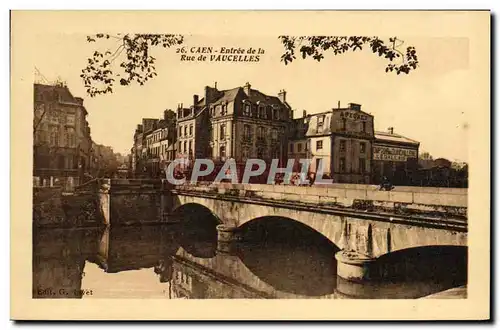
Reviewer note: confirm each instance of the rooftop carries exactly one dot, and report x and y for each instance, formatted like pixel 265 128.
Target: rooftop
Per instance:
pixel 54 92
pixel 393 137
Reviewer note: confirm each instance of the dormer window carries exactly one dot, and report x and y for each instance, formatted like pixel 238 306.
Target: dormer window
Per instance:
pixel 276 114
pixel 262 112
pixel 321 121
pixel 247 109
pixel 223 110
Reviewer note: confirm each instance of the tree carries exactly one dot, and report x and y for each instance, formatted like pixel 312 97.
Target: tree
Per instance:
pixel 317 46
pixel 425 156
pixel 137 65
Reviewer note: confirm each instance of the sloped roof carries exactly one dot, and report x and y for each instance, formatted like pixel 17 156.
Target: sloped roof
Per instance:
pixel 258 96
pixel 229 95
pixel 53 92
pixel 386 136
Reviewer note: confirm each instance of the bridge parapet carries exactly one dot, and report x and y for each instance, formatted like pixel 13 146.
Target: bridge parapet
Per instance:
pixel 442 201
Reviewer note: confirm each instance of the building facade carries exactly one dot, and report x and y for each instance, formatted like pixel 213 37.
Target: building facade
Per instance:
pixel 394 157
pixel 243 123
pixel 238 123
pixel 61 137
pixel 153 147
pixel 339 139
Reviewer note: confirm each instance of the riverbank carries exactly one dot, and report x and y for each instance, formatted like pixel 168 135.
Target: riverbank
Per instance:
pixel 453 293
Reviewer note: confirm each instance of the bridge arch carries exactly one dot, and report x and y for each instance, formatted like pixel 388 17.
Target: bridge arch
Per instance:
pixel 368 234
pixel 282 228
pixel 196 229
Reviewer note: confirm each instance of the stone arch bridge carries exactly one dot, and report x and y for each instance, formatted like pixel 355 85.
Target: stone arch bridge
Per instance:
pixel 363 222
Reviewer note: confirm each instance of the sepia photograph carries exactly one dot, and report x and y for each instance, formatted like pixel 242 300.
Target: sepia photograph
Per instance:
pixel 257 164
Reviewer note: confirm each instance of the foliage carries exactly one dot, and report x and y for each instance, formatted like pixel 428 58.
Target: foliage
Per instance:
pixel 138 65
pixel 425 156
pixel 317 46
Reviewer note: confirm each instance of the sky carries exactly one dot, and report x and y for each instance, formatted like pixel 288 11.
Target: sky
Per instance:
pixel 430 105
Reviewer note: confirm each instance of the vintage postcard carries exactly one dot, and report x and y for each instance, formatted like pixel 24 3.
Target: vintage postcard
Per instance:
pixel 250 165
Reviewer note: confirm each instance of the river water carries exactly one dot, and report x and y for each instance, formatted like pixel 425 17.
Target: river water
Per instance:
pixel 182 261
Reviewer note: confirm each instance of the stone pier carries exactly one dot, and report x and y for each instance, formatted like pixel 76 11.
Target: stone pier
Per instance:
pixel 227 239
pixel 354 266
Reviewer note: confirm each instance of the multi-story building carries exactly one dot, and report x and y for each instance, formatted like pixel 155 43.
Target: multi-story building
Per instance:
pixel 61 137
pixel 104 162
pixel 340 139
pixel 238 123
pixel 243 123
pixel 139 149
pixel 153 147
pixel 394 157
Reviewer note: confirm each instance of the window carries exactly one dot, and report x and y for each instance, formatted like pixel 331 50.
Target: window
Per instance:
pixel 261 132
pixel 362 165
pixel 260 153
pixel 222 151
pixel 276 114
pixel 244 154
pixel 66 137
pixel 54 136
pixel 299 147
pixel 291 147
pixel 180 131
pixel 364 126
pixel 362 147
pixel 342 165
pixel 246 132
pixel 248 109
pixel 344 124
pixel 223 110
pixel 274 134
pixel 222 131
pixel 190 130
pixel 321 121
pixel 185 130
pixel 185 146
pixel 319 145
pixel 190 147
pixel 262 112
pixel 342 145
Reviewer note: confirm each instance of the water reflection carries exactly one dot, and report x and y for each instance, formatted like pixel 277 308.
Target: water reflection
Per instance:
pixel 182 261
pixel 58 261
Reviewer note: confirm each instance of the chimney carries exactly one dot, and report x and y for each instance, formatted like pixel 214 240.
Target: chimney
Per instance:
pixel 215 85
pixel 304 114
pixel 338 105
pixel 390 130
pixel 210 94
pixel 195 99
pixel 282 96
pixel 247 89
pixel 79 100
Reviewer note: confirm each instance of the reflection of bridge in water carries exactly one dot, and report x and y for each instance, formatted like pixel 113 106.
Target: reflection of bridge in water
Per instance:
pixel 370 229
pixel 186 263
